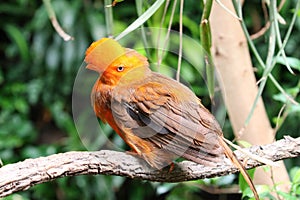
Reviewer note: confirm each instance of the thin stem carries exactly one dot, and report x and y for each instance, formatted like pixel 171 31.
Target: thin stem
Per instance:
pixel 108 17
pixel 278 36
pixel 180 41
pixel 228 10
pixel 205 37
pixel 272 40
pixel 169 27
pixel 139 6
pixel 159 57
pixel 282 114
pixel 55 23
pixel 282 2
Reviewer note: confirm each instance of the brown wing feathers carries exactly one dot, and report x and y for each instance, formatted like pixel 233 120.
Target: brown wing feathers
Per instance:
pixel 172 130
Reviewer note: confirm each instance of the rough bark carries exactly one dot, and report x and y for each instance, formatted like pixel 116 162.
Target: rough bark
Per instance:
pixel 233 62
pixel 23 175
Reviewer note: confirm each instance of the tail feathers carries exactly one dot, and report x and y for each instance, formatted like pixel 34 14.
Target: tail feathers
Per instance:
pixel 229 153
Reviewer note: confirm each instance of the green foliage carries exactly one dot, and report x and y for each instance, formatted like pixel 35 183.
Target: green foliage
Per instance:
pixel 37 73
pixel 244 185
pixel 36 82
pixel 273 193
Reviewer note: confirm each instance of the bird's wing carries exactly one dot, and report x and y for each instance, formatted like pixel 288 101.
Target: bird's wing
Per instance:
pixel 184 128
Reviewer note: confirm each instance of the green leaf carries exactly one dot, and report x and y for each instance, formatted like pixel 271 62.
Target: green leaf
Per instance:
pixel 297 189
pixel 141 20
pixel 17 36
pixel 296 176
pixel 21 105
pixel 294 108
pixel 1 76
pixel 34 89
pixel 263 191
pixel 242 182
pixel 282 98
pixel 293 62
pixel 287 196
pixel 16 197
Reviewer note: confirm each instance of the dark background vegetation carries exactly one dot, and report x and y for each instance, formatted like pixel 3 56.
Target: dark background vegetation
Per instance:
pixel 38 69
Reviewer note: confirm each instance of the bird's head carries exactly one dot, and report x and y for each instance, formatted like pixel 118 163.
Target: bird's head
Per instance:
pixel 112 61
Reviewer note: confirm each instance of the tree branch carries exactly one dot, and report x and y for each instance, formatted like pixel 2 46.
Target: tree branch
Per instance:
pixel 23 175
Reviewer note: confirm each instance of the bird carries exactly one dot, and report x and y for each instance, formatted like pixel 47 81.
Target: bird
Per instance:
pixel 159 118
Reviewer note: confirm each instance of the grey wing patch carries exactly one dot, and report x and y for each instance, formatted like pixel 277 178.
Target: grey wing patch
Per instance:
pixel 147 126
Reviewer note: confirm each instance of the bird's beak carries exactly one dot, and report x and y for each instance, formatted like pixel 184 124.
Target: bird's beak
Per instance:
pixel 95 68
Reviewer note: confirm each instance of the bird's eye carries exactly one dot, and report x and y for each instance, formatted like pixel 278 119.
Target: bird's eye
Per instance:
pixel 120 68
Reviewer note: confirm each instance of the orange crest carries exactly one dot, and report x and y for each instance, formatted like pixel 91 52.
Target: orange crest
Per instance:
pixel 102 53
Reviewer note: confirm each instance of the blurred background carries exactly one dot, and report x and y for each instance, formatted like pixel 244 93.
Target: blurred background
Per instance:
pixel 37 74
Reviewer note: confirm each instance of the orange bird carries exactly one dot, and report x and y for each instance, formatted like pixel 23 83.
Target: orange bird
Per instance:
pixel 158 117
